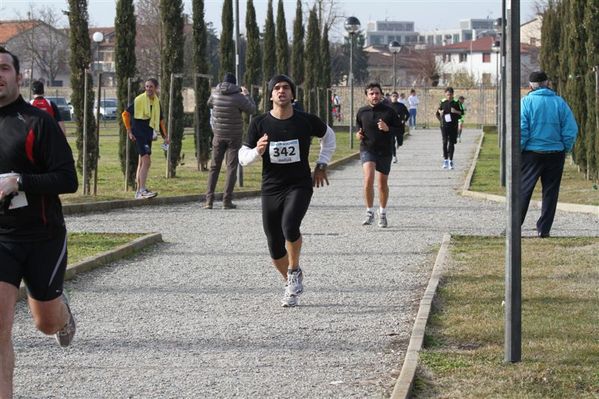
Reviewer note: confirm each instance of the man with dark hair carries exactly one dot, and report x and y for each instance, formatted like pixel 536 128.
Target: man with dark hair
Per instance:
pixel 378 126
pixel 36 165
pixel 404 115
pixel 548 130
pixel 449 114
pixel 281 138
pixel 42 103
pixel 147 118
pixel 227 101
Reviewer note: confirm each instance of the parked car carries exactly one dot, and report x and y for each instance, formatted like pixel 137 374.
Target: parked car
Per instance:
pixel 63 106
pixel 107 108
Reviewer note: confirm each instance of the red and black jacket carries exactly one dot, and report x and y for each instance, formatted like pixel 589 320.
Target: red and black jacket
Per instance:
pixel 32 144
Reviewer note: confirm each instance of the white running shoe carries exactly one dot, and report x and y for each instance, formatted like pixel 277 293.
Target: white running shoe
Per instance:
pixel 383 220
pixel 289 300
pixel 446 164
pixel 65 335
pixel 369 218
pixel 394 159
pixel 451 165
pixel 295 281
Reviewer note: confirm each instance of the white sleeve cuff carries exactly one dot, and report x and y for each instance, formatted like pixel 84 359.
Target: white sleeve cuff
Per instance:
pixel 327 146
pixel 248 155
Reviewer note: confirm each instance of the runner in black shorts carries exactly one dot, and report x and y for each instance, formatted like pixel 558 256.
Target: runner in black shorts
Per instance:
pixel 36 165
pixel 378 126
pixel 281 138
pixel 449 114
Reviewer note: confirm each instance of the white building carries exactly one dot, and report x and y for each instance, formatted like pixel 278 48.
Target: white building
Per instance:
pixel 384 32
pixel 469 29
pixel 480 61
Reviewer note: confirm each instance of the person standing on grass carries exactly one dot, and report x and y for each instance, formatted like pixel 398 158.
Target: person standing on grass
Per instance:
pixel 227 101
pixel 39 101
pixel 147 118
pixel 36 165
pixel 449 114
pixel 378 126
pixel 281 139
pixel 547 132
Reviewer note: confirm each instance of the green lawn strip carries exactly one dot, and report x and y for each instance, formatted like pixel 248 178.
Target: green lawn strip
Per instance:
pixel 189 180
pixel 574 189
pixel 463 352
pixel 84 245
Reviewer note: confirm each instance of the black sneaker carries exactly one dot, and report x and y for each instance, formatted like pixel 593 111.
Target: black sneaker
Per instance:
pixel 229 205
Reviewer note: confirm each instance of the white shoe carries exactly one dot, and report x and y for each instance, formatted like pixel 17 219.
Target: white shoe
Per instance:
pixel 289 300
pixel 295 281
pixel 446 164
pixel 451 166
pixel 369 218
pixel 394 159
pixel 383 220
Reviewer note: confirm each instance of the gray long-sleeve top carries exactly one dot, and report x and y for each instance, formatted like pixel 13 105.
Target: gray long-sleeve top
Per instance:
pixel 227 103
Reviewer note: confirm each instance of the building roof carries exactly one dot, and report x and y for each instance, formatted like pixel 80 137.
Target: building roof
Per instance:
pixel 10 29
pixel 482 45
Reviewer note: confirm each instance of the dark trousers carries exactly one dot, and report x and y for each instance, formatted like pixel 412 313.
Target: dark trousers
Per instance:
pixel 221 148
pixel 549 168
pixel 449 132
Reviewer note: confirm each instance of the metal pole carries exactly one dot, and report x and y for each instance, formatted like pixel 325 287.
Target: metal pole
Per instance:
pixel 394 72
pixel 171 94
pixel 239 80
pixel 503 94
pixel 85 177
pixel 351 92
pixel 127 138
pixel 513 294
pixel 98 133
pixel 196 121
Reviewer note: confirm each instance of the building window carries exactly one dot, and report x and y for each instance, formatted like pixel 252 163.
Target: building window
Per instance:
pixel 463 57
pixel 486 57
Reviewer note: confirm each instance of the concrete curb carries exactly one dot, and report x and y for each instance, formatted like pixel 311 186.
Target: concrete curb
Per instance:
pixel 103 206
pixel 93 262
pixel 562 206
pixel 404 383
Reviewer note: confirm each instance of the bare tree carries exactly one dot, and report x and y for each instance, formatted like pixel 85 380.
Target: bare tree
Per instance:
pixel 149 38
pixel 42 46
pixel 425 62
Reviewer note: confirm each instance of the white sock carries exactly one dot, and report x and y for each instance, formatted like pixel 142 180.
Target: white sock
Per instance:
pixel 371 210
pixel 382 210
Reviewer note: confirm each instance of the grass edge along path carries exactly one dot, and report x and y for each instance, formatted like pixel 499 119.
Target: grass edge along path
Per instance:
pixel 463 351
pixel 88 251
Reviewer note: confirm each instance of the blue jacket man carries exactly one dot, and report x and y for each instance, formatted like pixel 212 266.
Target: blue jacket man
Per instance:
pixel 548 132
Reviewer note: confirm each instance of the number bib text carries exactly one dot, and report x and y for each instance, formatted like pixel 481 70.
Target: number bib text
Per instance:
pixel 282 152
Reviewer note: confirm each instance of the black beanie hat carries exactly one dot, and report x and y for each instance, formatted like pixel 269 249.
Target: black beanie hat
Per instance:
pixel 281 78
pixel 230 78
pixel 538 77
pixel 37 87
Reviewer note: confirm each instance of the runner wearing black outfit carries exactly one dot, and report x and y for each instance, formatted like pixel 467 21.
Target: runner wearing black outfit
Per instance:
pixel 37 165
pixel 449 114
pixel 378 126
pixel 404 115
pixel 281 138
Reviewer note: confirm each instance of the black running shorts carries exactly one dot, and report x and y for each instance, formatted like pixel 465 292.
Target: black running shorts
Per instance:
pixel 40 264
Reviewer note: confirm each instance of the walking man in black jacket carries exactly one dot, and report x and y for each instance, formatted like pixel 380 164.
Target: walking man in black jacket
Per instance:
pixel 36 165
pixel 227 101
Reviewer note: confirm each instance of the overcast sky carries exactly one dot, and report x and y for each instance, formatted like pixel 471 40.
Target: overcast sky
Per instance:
pixel 427 14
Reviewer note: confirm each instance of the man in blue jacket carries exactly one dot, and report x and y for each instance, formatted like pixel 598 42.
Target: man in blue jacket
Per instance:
pixel 548 132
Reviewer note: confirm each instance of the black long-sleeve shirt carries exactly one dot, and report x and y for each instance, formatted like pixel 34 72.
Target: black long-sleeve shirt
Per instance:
pixel 32 144
pixel 375 140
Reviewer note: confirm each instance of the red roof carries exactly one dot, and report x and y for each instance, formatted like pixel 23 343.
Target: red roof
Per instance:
pixel 10 29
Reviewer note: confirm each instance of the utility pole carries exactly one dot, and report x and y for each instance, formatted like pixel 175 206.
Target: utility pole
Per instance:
pixel 513 275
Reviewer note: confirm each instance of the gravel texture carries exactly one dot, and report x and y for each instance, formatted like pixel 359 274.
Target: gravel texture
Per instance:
pixel 199 316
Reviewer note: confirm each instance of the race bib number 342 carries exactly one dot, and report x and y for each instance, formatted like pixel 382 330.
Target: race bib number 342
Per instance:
pixel 282 152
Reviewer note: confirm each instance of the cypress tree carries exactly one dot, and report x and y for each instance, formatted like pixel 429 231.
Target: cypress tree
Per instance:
pixel 227 45
pixel 577 69
pixel 269 60
pixel 282 41
pixel 171 12
pixel 124 49
pixel 252 62
pixel 79 62
pixel 297 49
pixel 325 75
pixel 202 85
pixel 550 33
pixel 312 66
pixel 591 26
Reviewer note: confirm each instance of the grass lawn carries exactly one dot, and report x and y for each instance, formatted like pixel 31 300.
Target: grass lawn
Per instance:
pixel 574 188
pixel 188 181
pixel 463 353
pixel 83 245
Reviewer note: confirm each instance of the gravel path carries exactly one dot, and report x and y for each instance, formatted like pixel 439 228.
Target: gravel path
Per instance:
pixel 200 317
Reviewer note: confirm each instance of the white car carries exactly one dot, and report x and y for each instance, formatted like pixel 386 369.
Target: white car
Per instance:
pixel 107 108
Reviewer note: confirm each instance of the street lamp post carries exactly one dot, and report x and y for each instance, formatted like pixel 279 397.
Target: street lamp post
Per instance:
pixel 394 48
pixel 352 26
pixel 98 37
